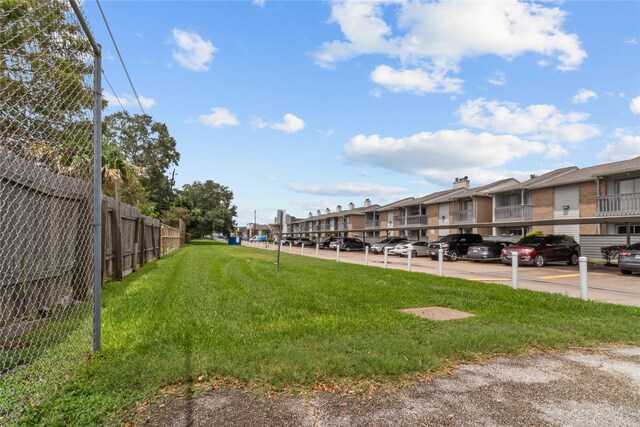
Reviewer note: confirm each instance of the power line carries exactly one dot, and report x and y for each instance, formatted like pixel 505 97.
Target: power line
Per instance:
pixel 120 56
pixel 113 91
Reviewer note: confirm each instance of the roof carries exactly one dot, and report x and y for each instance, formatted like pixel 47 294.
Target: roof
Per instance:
pixel 344 212
pixel 536 180
pixel 396 204
pixel 592 172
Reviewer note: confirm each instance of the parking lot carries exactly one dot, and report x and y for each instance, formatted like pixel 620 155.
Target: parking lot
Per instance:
pixel 605 284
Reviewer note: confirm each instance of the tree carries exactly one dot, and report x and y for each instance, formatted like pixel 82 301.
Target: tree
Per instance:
pixel 148 145
pixel 211 207
pixel 45 85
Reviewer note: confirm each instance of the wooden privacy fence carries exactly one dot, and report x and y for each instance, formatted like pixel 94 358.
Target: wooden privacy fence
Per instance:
pixel 130 239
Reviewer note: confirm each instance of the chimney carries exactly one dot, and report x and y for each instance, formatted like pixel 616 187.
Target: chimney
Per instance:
pixel 318 212
pixel 351 206
pixel 310 214
pixel 327 211
pixel 367 203
pixel 533 175
pixel 338 208
pixel 461 182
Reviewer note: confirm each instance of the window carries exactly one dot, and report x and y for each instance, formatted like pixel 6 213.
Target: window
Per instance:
pixel 513 200
pixel 633 229
pixel 514 231
pixel 467 205
pixel 628 186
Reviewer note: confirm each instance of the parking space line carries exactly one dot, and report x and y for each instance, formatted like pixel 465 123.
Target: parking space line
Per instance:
pixel 561 276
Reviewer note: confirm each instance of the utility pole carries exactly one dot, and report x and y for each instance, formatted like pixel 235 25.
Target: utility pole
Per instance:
pixel 255 224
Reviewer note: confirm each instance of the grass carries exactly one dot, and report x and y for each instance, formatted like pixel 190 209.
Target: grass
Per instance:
pixel 222 312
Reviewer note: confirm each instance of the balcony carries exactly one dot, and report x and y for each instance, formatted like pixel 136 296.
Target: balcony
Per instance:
pixel 372 223
pixel 513 213
pixel 618 205
pixel 462 217
pixel 399 221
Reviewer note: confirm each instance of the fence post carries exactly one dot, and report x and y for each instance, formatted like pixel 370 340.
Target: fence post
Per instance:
pixel 290 247
pixel 409 256
pixel 366 256
pixel 440 261
pixel 386 256
pixel 514 270
pixel 118 259
pixel 338 253
pixel 584 285
pixel 302 249
pixel 317 249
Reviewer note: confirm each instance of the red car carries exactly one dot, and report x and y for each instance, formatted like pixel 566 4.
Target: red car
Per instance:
pixel 539 250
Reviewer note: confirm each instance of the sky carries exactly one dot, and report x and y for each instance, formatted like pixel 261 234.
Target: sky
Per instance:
pixel 305 105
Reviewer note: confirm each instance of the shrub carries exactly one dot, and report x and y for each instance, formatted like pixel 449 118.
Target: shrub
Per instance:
pixel 534 233
pixel 609 253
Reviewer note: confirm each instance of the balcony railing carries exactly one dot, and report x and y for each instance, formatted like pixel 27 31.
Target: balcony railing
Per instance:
pixel 372 223
pixel 462 217
pixel 513 213
pixel 399 221
pixel 618 204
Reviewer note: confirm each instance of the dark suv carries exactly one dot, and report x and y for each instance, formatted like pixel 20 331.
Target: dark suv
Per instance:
pixel 539 250
pixel 454 245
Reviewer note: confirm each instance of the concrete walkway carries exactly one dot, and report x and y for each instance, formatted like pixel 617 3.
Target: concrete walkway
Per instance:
pixel 577 388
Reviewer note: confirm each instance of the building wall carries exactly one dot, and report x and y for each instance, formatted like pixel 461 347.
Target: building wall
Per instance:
pixel 356 222
pixel 542 207
pixel 432 219
pixel 588 206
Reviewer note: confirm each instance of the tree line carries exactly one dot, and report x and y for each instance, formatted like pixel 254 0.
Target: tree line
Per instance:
pixel 139 159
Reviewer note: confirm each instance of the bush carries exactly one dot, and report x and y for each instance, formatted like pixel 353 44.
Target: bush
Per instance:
pixel 534 233
pixel 609 253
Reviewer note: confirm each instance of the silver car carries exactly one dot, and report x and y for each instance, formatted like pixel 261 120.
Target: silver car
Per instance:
pixel 629 259
pixel 391 242
pixel 417 249
pixel 397 249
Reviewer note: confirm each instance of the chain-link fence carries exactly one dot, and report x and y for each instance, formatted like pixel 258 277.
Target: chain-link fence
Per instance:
pixel 46 198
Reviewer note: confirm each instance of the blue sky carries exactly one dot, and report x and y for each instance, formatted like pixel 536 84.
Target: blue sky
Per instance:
pixel 306 105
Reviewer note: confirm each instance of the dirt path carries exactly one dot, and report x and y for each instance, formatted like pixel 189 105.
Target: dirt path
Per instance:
pixel 577 388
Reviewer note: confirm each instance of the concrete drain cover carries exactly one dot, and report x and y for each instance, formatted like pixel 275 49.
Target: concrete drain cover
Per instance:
pixel 438 313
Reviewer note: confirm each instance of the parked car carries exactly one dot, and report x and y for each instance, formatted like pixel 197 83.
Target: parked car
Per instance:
pixel 417 249
pixel 304 241
pixel 397 249
pixel 288 240
pixel 629 259
pixel 325 244
pixel 487 251
pixel 349 244
pixel 258 239
pixel 390 242
pixel 539 250
pixel 454 245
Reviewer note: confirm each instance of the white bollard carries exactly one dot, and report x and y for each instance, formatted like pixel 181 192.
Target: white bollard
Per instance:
pixel 302 250
pixel 290 247
pixel 514 270
pixel 366 255
pixel 584 285
pixel 386 256
pixel 338 253
pixel 409 256
pixel 317 249
pixel 440 261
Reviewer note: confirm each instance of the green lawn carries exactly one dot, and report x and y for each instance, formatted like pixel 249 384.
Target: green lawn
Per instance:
pixel 223 312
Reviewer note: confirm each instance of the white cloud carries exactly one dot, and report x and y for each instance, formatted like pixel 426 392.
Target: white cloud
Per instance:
pixel 219 117
pixel 428 153
pixel 538 121
pixel 259 3
pixel 583 96
pixel 128 100
pixel 193 52
pixel 434 37
pixel 348 189
pixel 632 40
pixel 498 78
pixel 635 105
pixel 290 124
pixel 312 205
pixel 418 81
pixel 626 147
